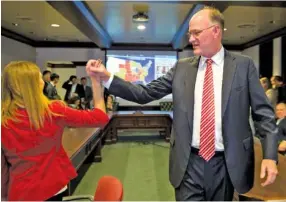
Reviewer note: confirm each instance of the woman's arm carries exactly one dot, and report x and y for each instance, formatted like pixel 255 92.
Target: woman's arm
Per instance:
pixel 86 118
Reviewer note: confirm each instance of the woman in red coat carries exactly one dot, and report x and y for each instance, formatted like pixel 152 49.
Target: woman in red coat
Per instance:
pixel 35 165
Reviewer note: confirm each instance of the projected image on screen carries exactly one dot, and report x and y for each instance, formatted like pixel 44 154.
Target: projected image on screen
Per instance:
pixel 140 67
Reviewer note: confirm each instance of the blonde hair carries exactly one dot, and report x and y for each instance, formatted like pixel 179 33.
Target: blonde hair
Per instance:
pixel 266 81
pixel 21 89
pixel 215 16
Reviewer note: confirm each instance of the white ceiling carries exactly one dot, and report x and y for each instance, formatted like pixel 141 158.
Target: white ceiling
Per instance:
pixel 260 17
pixel 35 19
pixel 116 18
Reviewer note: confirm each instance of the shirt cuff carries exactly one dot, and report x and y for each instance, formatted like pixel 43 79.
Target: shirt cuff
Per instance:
pixel 107 84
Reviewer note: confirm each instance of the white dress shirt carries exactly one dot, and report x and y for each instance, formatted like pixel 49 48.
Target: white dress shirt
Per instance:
pixel 73 88
pixel 278 121
pixel 217 67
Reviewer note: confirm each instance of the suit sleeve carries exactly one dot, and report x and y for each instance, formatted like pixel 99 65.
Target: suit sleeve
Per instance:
pixel 143 94
pixel 89 94
pixel 263 115
pixel 66 85
pixel 50 92
pixel 283 131
pixel 81 118
pixel 4 177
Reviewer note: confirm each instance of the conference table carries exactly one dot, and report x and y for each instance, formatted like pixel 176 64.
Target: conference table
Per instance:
pixel 85 144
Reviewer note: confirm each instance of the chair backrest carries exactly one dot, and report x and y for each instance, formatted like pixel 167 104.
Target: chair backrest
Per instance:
pixel 109 188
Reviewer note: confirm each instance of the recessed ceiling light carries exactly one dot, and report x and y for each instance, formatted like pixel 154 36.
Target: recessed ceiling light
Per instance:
pixel 141 27
pixel 224 29
pixel 15 24
pixel 55 25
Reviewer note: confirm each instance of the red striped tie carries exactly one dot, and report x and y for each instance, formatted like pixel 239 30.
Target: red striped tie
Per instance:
pixel 207 133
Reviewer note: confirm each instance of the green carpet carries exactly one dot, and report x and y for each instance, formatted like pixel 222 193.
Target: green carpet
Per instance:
pixel 142 168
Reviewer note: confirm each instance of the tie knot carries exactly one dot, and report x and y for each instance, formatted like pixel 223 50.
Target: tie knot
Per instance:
pixel 209 61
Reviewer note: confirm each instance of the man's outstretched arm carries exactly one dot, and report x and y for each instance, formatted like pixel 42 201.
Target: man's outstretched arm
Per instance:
pixel 136 92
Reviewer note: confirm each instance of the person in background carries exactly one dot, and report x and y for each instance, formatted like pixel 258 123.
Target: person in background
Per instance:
pixel 212 146
pixel 35 166
pixel 280 86
pixel 73 89
pixel 271 93
pixel 281 122
pixel 87 92
pixel 51 90
pixel 47 79
pixel 109 103
pixel 75 103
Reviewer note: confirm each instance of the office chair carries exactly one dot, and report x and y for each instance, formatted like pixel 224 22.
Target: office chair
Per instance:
pixel 109 188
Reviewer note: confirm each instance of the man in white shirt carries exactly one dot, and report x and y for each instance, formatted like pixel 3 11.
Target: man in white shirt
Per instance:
pixel 73 89
pixel 211 151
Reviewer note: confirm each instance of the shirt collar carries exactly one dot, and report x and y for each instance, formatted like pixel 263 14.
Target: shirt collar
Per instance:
pixel 217 58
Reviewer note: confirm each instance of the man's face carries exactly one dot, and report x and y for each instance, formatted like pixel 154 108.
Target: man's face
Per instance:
pixel 281 111
pixel 56 80
pixel 201 33
pixel 83 82
pixel 273 81
pixel 47 77
pixel 74 80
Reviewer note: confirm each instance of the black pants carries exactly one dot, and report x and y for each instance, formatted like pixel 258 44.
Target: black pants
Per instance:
pixel 205 181
pixel 58 197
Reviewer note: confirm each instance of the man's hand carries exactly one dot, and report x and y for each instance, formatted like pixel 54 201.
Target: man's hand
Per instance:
pixel 269 168
pixel 282 146
pixel 96 68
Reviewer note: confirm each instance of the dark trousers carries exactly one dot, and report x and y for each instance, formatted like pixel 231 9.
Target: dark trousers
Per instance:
pixel 58 197
pixel 205 181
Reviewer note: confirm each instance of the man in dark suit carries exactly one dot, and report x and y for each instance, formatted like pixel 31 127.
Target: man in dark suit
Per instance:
pixel 73 88
pixel 47 79
pixel 281 122
pixel 51 91
pixel 87 92
pixel 211 149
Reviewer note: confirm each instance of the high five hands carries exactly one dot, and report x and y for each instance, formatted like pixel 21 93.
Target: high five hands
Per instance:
pixel 95 68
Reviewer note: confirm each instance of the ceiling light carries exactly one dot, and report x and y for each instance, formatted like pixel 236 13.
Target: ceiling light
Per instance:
pixel 141 27
pixel 55 25
pixel 15 24
pixel 140 17
pixel 224 29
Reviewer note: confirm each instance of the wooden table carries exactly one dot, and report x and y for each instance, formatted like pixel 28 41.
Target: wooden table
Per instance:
pixel 160 120
pixel 275 191
pixel 79 143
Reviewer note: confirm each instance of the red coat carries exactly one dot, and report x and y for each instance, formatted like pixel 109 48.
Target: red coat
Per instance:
pixel 35 165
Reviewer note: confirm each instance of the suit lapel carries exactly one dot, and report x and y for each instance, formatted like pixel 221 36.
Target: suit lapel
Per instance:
pixel 229 69
pixel 190 81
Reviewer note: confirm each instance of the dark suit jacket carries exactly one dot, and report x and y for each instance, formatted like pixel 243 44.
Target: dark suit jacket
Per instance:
pixel 281 94
pixel 241 90
pixel 88 95
pixel 51 92
pixel 79 90
pixel 282 130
